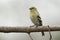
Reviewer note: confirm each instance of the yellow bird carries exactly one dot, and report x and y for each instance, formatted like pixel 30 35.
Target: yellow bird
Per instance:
pixel 35 18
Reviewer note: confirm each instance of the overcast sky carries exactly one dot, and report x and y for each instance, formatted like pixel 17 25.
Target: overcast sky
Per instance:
pixel 16 13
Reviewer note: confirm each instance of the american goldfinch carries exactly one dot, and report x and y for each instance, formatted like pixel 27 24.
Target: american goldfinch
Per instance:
pixel 35 18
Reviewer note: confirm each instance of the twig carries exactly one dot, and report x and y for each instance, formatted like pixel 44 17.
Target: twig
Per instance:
pixel 22 29
pixel 50 33
pixel 30 36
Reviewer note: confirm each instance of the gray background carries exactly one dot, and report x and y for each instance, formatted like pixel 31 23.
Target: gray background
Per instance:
pixel 16 13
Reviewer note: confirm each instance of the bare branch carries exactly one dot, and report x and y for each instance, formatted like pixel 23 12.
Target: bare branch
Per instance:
pixel 28 29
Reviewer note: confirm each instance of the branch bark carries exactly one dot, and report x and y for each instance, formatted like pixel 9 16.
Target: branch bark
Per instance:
pixel 28 29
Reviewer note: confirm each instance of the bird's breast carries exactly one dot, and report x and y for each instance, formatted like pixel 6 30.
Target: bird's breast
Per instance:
pixel 34 19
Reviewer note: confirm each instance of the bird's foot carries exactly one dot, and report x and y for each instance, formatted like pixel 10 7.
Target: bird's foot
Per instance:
pixel 32 26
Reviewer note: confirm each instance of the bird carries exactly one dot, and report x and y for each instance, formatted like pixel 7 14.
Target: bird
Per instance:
pixel 35 18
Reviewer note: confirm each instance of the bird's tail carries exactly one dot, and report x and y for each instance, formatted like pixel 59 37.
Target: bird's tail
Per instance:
pixel 42 33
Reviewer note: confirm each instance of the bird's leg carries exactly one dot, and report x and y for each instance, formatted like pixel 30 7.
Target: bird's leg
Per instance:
pixel 32 26
pixel 50 33
pixel 30 36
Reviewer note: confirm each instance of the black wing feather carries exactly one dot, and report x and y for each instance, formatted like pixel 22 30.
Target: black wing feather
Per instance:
pixel 40 21
pixel 40 24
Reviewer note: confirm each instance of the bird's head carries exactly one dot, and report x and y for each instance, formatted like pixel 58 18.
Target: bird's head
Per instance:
pixel 32 8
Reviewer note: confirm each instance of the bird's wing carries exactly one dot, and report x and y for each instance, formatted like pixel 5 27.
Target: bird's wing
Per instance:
pixel 40 21
pixel 38 17
pixel 40 24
